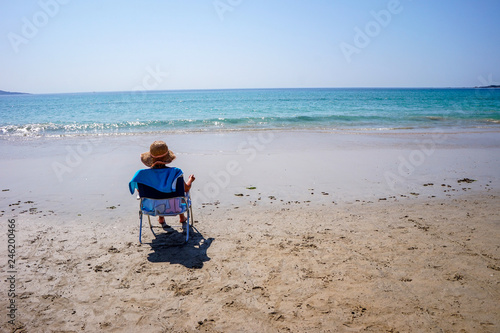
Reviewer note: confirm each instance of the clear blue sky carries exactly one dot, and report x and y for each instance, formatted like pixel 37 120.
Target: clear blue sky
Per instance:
pixel 115 45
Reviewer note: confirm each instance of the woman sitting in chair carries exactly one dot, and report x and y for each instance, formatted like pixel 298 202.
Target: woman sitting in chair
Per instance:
pixel 158 157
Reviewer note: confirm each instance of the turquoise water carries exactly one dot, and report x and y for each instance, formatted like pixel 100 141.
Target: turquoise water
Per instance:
pixel 219 110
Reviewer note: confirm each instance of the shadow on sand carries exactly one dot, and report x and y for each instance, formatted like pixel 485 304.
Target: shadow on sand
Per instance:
pixel 170 247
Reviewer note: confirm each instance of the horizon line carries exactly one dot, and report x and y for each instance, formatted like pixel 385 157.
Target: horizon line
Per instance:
pixel 220 89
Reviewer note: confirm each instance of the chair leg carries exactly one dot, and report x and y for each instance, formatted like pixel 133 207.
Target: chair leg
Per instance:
pixel 150 226
pixel 140 227
pixel 190 208
pixel 191 214
pixel 188 222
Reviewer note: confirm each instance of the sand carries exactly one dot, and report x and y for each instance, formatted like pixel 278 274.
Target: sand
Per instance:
pixel 343 232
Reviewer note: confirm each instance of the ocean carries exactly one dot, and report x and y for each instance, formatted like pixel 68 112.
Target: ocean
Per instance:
pixel 329 109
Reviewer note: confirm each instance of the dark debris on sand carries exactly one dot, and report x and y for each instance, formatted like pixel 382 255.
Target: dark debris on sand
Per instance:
pixel 466 180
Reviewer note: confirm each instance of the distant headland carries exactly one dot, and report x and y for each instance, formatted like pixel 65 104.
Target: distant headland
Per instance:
pixel 493 86
pixel 11 93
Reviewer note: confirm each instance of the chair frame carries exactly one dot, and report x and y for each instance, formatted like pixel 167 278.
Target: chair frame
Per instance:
pixel 146 192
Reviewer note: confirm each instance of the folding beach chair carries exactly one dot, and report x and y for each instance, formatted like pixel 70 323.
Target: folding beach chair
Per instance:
pixel 161 193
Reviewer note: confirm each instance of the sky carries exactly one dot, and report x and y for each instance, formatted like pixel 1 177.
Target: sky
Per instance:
pixel 63 46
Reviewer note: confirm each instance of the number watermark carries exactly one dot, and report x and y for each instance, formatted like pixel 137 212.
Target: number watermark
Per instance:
pixel 11 271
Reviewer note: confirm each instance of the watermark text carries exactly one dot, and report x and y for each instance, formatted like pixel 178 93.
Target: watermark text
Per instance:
pixel 30 27
pixel 11 271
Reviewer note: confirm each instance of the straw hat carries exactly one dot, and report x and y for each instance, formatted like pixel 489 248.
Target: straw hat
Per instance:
pixel 158 154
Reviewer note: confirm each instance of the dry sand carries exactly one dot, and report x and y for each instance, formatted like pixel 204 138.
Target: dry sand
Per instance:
pixel 296 257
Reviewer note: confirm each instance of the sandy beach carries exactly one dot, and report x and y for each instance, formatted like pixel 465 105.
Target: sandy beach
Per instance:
pixel 295 232
pixel 346 157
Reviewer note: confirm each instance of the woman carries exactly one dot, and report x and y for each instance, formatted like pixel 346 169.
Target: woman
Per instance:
pixel 158 157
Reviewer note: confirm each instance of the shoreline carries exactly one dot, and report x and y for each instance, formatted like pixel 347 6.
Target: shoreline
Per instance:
pixel 452 130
